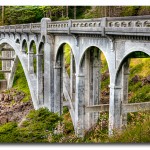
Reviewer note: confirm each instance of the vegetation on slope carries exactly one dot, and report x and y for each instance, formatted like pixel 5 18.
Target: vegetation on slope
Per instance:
pixel 20 82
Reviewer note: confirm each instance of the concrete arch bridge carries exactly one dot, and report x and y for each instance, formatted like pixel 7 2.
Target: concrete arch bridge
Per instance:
pixel 117 38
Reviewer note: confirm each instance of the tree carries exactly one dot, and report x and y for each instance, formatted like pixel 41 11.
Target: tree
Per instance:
pixel 75 12
pixel 3 15
pixel 67 11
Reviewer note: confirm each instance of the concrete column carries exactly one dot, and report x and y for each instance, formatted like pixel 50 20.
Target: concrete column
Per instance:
pixel 115 119
pixel 125 76
pixel 58 84
pixel 92 83
pixel 39 80
pixel 48 65
pixel 3 62
pixel 30 62
pixel 87 88
pixel 96 82
pixel 8 62
pixel 118 96
pixel 79 105
pixel 57 89
pixel 72 77
pixel 12 74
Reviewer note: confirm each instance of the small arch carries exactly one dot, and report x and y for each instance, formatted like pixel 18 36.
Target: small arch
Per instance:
pixel 18 41
pixel 94 24
pixel 24 46
pixel 33 51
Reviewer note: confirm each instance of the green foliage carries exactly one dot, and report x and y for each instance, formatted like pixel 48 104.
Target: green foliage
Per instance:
pixel 38 125
pixel 22 14
pixel 130 11
pixel 36 128
pixel 9 133
pixel 135 133
pixel 142 94
pixel 67 52
pixel 139 92
pixel 20 82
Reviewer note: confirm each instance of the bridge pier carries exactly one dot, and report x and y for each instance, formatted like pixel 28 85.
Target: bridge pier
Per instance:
pixel 58 84
pixel 80 105
pixel 72 77
pixel 118 97
pixel 40 80
pixel 30 62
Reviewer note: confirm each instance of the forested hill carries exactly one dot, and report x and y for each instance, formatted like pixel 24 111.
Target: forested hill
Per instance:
pixel 28 14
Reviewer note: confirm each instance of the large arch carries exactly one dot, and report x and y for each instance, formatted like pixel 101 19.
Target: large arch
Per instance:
pixel 130 51
pixel 121 84
pixel 90 75
pixel 64 84
pixel 31 80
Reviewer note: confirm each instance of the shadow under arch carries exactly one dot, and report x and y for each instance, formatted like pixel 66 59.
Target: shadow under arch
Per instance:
pixel 30 78
pixel 94 67
pixel 87 48
pixel 24 46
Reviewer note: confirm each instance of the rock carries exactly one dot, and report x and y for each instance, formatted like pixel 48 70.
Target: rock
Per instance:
pixel 135 79
pixel 1 97
pixel 148 78
pixel 6 98
pixel 3 119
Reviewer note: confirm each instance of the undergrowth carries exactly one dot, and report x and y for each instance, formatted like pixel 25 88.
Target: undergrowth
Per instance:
pixel 20 82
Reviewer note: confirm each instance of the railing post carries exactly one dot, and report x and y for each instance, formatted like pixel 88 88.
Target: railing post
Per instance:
pixel 103 25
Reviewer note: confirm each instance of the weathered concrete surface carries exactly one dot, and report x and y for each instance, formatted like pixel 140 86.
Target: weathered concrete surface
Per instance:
pixel 116 38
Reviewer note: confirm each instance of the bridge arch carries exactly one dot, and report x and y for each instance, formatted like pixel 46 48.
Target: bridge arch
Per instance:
pixel 122 82
pixel 93 66
pixel 24 46
pixel 64 78
pixel 130 51
pixel 30 79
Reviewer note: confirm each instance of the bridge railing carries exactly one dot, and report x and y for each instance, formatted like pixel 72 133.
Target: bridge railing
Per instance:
pixel 132 21
pixel 20 28
pixel 89 25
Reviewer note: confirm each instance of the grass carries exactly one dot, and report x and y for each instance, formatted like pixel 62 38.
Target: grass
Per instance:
pixel 67 54
pixel 138 91
pixel 39 124
pixel 20 82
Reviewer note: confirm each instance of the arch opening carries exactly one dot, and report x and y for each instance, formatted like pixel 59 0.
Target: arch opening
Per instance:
pixel 95 70
pixel 64 79
pixel 16 78
pixel 24 47
pixel 33 59
pixel 133 78
pixel 40 72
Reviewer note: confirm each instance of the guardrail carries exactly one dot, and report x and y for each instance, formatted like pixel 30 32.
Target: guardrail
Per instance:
pixel 88 25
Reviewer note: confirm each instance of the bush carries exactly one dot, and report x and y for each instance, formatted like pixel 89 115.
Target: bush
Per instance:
pixel 9 133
